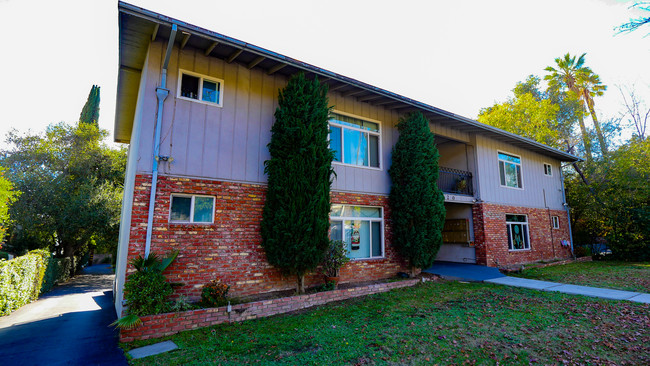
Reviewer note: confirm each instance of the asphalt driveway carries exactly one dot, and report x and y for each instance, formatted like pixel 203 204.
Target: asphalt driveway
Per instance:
pixel 66 326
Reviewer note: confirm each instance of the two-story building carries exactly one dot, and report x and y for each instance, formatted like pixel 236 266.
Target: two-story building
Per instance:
pixel 196 108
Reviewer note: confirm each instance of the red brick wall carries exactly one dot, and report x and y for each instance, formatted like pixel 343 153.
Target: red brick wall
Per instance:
pixel 161 325
pixel 230 249
pixel 491 239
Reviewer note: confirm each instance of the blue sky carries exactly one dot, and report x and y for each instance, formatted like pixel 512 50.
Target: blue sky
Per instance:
pixel 460 56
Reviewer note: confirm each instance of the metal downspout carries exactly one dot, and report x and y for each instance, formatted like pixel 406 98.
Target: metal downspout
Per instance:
pixel 568 213
pixel 161 94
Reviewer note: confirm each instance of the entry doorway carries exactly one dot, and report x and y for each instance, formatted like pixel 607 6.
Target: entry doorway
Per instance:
pixel 458 235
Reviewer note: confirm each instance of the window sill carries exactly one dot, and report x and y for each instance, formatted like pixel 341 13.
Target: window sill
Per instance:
pixel 356 166
pixel 367 259
pixel 519 250
pixel 220 105
pixel 517 188
pixel 190 223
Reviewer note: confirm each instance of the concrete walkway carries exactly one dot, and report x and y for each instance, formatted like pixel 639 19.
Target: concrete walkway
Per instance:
pixel 477 273
pixel 66 326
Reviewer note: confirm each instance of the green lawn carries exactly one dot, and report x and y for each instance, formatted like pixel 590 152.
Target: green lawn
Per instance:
pixel 617 275
pixel 442 322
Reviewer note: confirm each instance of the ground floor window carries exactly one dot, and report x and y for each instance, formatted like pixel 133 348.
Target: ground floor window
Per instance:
pixel 556 222
pixel 191 208
pixel 360 228
pixel 517 226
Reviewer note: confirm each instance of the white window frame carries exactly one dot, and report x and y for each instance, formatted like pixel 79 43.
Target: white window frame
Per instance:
pixel 555 220
pixel 378 134
pixel 550 169
pixel 192 196
pixel 509 228
pixel 521 168
pixel 371 219
pixel 200 97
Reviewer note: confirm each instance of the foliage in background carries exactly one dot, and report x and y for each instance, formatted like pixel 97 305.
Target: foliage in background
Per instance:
pixel 417 204
pixel 295 220
pixel 71 184
pixel 8 195
pixel 21 279
pixel 90 111
pixel 547 116
pixel 615 208
pixel 213 294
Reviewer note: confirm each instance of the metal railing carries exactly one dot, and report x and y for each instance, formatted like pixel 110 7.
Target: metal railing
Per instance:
pixel 455 181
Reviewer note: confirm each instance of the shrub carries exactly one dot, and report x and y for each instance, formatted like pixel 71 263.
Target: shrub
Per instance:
pixel 4 255
pixel 417 204
pixel 582 251
pixel 146 293
pixel 335 258
pixel 296 212
pixel 214 294
pixel 21 279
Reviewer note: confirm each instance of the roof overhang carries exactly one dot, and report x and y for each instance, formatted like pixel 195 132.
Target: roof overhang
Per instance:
pixel 138 27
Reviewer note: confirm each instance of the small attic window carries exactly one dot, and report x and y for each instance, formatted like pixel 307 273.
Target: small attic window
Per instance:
pixel 200 88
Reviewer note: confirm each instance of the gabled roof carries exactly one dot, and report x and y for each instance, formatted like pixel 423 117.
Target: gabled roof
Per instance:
pixel 138 27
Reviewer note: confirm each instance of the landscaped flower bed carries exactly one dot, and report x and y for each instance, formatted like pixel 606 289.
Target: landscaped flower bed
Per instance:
pixel 160 325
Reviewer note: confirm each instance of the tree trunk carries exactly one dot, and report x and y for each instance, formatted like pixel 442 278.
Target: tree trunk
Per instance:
pixel 301 283
pixel 585 138
pixel 599 132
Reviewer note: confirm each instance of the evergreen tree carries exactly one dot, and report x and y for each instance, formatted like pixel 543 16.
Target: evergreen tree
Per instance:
pixel 417 204
pixel 295 220
pixel 90 111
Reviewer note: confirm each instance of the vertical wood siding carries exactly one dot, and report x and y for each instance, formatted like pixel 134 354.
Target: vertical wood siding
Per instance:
pixel 535 183
pixel 230 142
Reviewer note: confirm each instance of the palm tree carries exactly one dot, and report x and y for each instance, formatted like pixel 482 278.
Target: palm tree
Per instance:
pixel 572 75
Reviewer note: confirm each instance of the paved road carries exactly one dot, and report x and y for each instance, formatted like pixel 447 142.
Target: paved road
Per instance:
pixel 66 326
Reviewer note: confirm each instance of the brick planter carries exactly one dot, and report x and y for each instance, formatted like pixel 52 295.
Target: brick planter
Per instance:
pixel 156 326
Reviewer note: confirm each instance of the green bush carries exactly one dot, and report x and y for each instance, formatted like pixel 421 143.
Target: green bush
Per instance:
pixel 4 255
pixel 58 270
pixel 146 293
pixel 21 279
pixel 214 294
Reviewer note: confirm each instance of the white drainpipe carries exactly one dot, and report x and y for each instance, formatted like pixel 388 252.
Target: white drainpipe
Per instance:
pixel 161 94
pixel 568 213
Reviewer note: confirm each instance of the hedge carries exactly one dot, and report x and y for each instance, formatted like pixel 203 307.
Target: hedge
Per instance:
pixel 24 278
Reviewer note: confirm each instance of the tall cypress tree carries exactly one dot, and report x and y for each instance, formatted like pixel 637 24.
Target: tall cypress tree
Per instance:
pixel 417 204
pixel 295 220
pixel 90 111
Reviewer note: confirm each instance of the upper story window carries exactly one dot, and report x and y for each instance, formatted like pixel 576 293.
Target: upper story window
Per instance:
pixel 510 170
pixel 548 170
pixel 191 209
pixel 355 141
pixel 360 228
pixel 200 88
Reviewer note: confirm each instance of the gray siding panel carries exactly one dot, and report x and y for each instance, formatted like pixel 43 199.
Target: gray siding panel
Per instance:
pixel 538 190
pixel 230 142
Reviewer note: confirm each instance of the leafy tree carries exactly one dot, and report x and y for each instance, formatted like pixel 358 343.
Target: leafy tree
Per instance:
pixel 417 204
pixel 90 111
pixel 7 196
pixel 295 220
pixel 547 117
pixel 71 185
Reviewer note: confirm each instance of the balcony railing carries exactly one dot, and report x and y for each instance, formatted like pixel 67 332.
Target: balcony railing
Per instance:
pixel 455 181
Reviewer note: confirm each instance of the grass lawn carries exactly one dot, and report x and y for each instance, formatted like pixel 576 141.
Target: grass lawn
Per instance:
pixel 617 275
pixel 432 323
